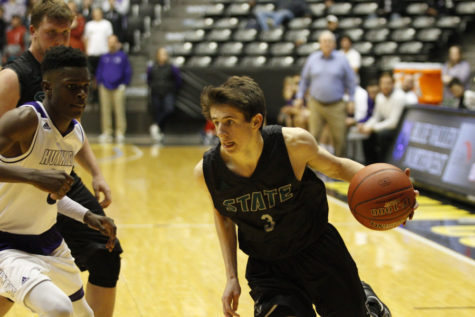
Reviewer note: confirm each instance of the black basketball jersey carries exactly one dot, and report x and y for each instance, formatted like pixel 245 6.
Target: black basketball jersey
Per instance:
pixel 276 214
pixel 28 70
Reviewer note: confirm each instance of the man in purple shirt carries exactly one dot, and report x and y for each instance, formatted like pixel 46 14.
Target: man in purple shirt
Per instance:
pixel 327 76
pixel 112 75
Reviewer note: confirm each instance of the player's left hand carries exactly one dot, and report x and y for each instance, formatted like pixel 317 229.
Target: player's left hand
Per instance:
pixel 103 224
pixel 407 171
pixel 99 186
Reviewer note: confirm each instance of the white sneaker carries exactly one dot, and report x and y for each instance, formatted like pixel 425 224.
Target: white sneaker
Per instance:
pixel 155 133
pixel 105 138
pixel 119 138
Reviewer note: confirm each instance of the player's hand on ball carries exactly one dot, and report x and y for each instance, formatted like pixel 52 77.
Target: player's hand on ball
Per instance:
pixel 103 224
pixel 407 171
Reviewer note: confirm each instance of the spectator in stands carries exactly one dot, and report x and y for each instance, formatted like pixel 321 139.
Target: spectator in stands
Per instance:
pixel 285 10
pixel 391 9
pixel 440 7
pixel 380 128
pixel 77 28
pixel 116 19
pixel 113 75
pixel 353 56
pixel 3 34
pixel 96 34
pixel 333 26
pixel 164 81
pixel 408 87
pixel 121 6
pixel 461 98
pixel 16 42
pixel 86 9
pixel 14 7
pixel 328 76
pixel 290 115
pixel 455 67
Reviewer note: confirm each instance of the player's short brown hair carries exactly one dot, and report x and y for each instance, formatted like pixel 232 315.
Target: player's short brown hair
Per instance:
pixel 240 92
pixel 56 10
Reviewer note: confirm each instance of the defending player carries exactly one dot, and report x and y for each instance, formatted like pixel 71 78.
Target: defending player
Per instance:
pixel 260 181
pixel 36 266
pixel 20 82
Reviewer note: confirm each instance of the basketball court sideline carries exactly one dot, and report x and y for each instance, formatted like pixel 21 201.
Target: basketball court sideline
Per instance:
pixel 172 263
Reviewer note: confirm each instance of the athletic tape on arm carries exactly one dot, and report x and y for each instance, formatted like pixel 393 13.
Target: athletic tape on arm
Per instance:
pixel 71 209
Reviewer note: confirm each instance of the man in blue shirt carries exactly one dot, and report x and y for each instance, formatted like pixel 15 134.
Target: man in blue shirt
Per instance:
pixel 327 76
pixel 113 74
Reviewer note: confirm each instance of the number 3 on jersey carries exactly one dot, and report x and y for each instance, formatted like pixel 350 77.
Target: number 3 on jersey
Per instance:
pixel 270 223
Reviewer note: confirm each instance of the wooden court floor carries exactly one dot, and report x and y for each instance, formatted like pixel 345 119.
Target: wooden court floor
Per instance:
pixel 172 263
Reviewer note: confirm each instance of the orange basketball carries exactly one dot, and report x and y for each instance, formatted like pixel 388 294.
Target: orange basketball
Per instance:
pixel 381 196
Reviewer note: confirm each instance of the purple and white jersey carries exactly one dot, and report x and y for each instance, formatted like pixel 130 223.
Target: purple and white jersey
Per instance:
pixel 23 207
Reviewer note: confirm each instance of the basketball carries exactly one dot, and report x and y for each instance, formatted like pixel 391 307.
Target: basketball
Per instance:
pixel 381 196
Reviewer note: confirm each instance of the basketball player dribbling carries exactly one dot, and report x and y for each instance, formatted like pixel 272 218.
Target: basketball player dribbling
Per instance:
pixel 20 82
pixel 37 269
pixel 260 180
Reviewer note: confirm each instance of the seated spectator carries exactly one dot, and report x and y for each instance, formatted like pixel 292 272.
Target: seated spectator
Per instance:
pixel 14 7
pixel 408 87
pixel 455 67
pixel 16 33
pixel 164 80
pixel 461 98
pixel 440 7
pixel 380 128
pixel 333 26
pixel 353 56
pixel 77 27
pixel 290 115
pixel 284 11
pixel 391 9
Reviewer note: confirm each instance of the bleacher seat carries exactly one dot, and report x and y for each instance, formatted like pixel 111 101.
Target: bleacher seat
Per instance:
pixel 238 9
pixel 253 61
pixel 198 23
pixel 400 22
pixel 350 23
pixel 283 48
pixel 183 49
pixel 419 8
pixel 368 61
pixel 429 35
pixel 364 48
pixel 413 47
pixel 299 23
pixel 199 61
pixel 281 61
pixel 206 48
pixel 365 8
pixel 263 7
pixel 385 48
pixel 318 9
pixel 231 48
pixel 319 24
pixel 449 22
pixel 226 23
pixel 307 49
pixel 388 62
pixel 465 8
pixel 226 61
pixel 178 61
pixel 195 36
pixel 273 35
pixel 374 23
pixel 300 62
pixel 245 35
pixel 422 22
pixel 403 35
pixel 340 8
pixel 377 35
pixel 297 35
pixel 355 34
pixel 216 9
pixel 219 35
pixel 256 48
pixel 315 35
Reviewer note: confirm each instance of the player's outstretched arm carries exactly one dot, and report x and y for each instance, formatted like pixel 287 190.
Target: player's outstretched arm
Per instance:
pixel 226 230
pixel 9 90
pixel 88 161
pixel 303 150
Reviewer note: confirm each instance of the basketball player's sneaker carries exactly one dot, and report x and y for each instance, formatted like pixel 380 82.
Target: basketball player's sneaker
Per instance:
pixel 376 307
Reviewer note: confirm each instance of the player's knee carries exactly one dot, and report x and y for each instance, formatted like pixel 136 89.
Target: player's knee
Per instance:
pixel 104 268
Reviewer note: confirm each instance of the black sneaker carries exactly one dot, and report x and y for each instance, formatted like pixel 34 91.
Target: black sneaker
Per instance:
pixel 376 307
